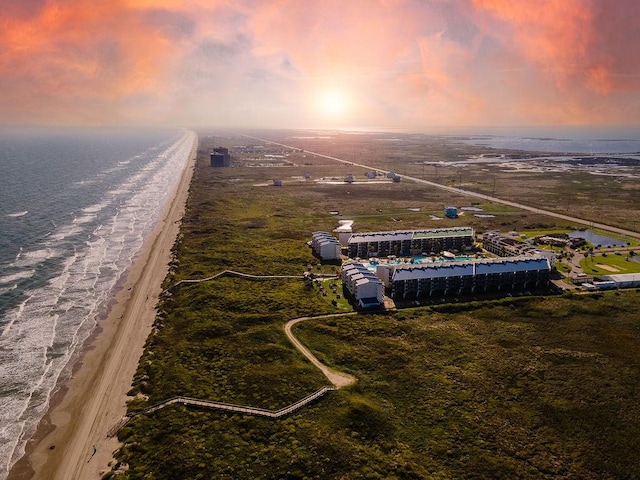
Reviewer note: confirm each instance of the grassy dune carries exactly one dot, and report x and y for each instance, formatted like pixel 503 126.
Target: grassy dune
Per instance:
pixel 517 388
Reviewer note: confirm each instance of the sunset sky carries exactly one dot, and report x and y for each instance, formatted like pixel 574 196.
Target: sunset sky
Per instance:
pixel 406 64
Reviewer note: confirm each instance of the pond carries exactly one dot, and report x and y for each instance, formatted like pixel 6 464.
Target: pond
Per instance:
pixel 597 239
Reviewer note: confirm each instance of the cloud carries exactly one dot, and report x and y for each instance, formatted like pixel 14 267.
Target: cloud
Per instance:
pixel 403 63
pixel 580 43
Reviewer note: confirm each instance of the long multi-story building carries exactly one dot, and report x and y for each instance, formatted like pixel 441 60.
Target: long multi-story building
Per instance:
pixel 409 243
pixel 457 278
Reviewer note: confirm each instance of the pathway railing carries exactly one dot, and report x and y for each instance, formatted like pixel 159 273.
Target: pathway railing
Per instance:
pixel 260 412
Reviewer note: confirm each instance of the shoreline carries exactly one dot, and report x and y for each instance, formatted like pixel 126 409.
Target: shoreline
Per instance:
pixel 87 405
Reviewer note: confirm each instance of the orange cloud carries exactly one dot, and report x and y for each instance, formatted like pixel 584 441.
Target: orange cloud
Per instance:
pixel 71 53
pixel 579 43
pixel 400 62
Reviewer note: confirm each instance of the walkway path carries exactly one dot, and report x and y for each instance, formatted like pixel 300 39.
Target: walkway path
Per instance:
pixel 260 412
pixel 338 379
pixel 232 273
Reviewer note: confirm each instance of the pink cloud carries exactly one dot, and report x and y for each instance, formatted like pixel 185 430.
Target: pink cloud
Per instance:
pixel 580 43
pixel 402 62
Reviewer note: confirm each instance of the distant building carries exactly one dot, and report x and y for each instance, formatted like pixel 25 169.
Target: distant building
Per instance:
pixel 409 243
pixel 220 157
pixel 505 246
pixel 451 212
pixel 623 280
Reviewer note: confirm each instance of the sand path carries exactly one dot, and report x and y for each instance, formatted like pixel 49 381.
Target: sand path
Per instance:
pixel 338 379
pixel 93 401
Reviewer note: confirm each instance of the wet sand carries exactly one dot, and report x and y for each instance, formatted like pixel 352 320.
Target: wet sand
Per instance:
pixel 89 406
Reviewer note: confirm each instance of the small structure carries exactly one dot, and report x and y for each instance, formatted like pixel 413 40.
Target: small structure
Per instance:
pixel 451 212
pixel 344 231
pixel 580 278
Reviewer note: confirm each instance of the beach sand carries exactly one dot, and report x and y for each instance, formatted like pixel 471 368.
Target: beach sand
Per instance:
pixel 93 401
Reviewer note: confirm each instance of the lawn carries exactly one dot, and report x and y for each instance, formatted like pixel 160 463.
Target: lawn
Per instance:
pixel 609 265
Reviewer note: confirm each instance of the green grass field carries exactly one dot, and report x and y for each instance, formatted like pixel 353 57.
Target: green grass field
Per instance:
pixel 516 388
pixel 609 265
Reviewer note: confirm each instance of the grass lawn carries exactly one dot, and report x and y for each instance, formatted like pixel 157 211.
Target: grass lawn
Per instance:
pixel 537 233
pixel 617 264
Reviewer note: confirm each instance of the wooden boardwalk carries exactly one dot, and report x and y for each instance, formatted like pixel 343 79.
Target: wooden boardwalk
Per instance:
pixel 344 379
pixel 260 412
pixel 248 276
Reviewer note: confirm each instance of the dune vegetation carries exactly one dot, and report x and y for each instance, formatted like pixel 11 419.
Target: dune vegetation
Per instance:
pixel 531 387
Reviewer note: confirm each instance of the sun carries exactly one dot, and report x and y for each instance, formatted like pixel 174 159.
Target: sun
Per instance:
pixel 333 104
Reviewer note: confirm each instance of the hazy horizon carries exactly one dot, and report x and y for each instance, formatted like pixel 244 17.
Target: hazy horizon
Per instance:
pixel 410 65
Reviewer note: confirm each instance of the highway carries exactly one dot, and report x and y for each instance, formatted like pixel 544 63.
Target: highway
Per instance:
pixel 468 193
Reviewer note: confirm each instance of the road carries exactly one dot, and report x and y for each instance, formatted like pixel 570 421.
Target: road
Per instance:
pixel 468 193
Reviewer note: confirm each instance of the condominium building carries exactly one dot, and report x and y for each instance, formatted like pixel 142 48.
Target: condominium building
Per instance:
pixel 326 246
pixel 505 246
pixel 409 243
pixel 362 285
pixel 456 278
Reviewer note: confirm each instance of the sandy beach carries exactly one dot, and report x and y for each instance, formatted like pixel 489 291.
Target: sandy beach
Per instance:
pixel 72 441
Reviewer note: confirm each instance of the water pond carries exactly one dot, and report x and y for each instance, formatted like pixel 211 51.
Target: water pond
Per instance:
pixel 597 239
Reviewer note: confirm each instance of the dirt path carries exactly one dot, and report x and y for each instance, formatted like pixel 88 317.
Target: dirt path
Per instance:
pixel 76 446
pixel 338 379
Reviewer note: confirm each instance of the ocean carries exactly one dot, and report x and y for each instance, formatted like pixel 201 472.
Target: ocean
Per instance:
pixel 75 209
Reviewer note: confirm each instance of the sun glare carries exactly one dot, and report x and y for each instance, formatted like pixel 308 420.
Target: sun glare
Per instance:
pixel 333 104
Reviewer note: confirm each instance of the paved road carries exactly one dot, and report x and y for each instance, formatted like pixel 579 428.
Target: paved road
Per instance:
pixel 468 193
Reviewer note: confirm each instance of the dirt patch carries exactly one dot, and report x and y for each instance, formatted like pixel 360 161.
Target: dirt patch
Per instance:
pixel 608 268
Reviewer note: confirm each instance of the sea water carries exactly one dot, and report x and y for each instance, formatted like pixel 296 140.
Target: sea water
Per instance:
pixel 75 208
